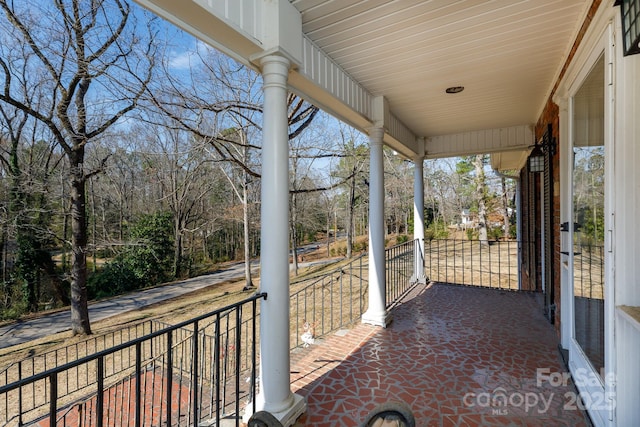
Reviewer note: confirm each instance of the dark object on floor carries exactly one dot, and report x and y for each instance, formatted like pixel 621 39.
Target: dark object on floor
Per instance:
pixel 390 414
pixel 263 419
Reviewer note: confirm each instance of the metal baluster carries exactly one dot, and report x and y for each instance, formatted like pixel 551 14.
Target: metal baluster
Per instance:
pixel 237 378
pixel 53 402
pixel 217 362
pixel 100 395
pixel 138 400
pixel 253 356
pixel 169 390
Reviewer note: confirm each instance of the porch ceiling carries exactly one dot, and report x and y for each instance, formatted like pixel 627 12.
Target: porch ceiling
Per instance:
pixel 390 61
pixel 506 53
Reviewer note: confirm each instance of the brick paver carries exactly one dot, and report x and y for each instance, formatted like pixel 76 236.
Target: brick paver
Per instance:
pixel 458 356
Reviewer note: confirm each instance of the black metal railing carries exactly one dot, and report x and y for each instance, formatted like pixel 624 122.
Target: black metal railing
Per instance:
pixel 330 302
pixel 399 268
pixel 181 374
pixel 468 262
pixel 62 355
pixel 339 298
pixel 201 369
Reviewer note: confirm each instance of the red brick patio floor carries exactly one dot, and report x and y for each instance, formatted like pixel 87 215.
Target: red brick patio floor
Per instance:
pixel 458 356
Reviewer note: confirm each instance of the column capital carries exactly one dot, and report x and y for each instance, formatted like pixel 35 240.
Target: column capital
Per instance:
pixel 275 71
pixel 376 134
pixel 274 57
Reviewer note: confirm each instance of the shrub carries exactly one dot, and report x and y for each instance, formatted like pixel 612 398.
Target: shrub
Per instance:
pixel 114 279
pixel 495 233
pixel 436 230
pixel 402 238
pixel 146 261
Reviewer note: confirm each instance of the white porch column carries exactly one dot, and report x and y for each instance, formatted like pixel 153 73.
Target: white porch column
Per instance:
pixel 275 392
pixel 376 314
pixel 418 220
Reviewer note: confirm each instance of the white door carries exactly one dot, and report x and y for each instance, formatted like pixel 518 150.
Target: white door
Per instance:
pixel 591 259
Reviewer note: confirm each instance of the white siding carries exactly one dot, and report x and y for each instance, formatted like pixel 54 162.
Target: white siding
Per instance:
pixel 479 142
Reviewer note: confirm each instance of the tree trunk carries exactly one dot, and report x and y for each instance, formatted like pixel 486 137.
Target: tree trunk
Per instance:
pixel 481 190
pixel 352 207
pixel 79 301
pixel 328 232
pixel 94 228
pixel 248 283
pixel 505 209
pixel 177 249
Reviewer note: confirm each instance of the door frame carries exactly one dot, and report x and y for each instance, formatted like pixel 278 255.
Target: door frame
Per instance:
pixel 599 394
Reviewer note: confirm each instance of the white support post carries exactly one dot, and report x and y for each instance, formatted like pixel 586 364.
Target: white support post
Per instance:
pixel 418 221
pixel 275 391
pixel 376 314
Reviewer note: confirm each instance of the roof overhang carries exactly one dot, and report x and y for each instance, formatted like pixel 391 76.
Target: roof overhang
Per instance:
pixel 388 62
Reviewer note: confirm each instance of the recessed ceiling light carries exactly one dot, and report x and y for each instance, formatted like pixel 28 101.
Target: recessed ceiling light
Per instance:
pixel 454 89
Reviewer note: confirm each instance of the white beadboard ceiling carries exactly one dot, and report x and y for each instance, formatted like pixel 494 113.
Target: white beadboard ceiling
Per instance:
pixel 506 53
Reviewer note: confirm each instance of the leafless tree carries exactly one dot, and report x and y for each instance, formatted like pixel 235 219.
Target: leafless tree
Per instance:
pixel 221 105
pixel 93 66
pixel 352 171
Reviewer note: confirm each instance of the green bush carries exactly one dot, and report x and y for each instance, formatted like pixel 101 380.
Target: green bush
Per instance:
pixel 360 246
pixel 114 279
pixel 495 233
pixel 472 234
pixel 146 261
pixel 436 230
pixel 12 305
pixel 402 238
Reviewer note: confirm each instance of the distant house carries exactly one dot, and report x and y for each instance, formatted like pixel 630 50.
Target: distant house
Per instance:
pixel 465 220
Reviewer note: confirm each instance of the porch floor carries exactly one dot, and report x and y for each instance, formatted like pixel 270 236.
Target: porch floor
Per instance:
pixel 458 356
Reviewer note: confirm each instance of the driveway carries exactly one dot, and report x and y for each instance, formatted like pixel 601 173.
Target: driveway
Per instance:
pixel 26 330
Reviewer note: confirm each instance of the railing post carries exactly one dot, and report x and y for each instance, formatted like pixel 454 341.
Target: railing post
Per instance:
pixel 253 358
pixel 216 357
pixel 169 391
pixel 20 422
pixel 53 395
pixel 100 395
pixel 237 367
pixel 194 372
pixel 138 390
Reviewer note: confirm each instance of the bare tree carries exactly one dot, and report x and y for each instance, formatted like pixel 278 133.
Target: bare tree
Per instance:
pixel 221 95
pixel 352 171
pixel 93 66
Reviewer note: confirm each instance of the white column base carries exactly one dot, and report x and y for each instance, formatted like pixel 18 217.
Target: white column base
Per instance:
pixel 383 318
pixel 287 416
pixel 419 278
